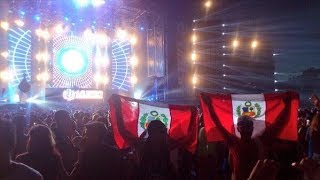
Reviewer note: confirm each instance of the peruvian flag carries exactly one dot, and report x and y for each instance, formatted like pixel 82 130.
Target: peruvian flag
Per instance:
pixel 275 114
pixel 130 117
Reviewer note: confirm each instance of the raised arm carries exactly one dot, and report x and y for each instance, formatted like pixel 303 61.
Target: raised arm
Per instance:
pixel 228 137
pixel 280 120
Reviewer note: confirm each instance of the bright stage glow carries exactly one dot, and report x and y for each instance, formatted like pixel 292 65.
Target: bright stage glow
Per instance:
pixel 102 39
pixel 97 3
pixel 194 38
pixel 39 77
pixel 6 75
pixel 45 34
pixel 59 29
pixel 194 79
pixel 72 62
pixel 254 44
pixel 235 43
pixel 138 94
pixel 5 25
pixel 35 100
pixel 39 32
pixel 5 54
pixel 42 57
pixel 134 79
pixel 39 57
pixel 16 98
pixel 193 56
pixel 208 4
pixel 134 61
pixel 44 77
pixel 19 23
pixel 42 34
pixel 101 62
pixel 101 79
pixel 88 34
pixel 97 78
pixel 122 34
pixel 133 40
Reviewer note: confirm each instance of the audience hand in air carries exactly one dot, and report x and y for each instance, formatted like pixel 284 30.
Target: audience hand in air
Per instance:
pixel 264 170
pixel 310 168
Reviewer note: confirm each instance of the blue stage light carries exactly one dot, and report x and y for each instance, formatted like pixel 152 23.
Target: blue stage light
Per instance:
pixel 37 17
pixel 22 13
pixel 72 62
pixel 82 3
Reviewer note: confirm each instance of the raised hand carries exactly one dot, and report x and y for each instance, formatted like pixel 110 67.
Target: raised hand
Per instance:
pixel 264 170
pixel 310 168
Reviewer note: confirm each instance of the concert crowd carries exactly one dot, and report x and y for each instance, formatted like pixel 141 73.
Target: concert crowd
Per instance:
pixel 77 143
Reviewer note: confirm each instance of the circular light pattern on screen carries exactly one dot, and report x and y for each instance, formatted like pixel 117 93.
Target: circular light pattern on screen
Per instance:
pixel 72 62
pixel 121 67
pixel 20 54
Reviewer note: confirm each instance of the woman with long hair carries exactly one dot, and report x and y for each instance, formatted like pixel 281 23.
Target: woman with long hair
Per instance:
pixel 42 155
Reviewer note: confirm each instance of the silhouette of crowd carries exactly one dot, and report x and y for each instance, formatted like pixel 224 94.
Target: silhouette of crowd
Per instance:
pixel 54 145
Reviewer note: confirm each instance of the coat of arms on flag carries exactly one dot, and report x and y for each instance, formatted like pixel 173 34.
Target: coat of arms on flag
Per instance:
pixel 149 113
pixel 130 117
pixel 274 113
pixel 252 105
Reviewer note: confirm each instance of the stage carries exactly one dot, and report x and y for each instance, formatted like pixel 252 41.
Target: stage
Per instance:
pixel 84 56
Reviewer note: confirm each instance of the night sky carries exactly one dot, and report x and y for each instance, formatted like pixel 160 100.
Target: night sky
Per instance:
pixel 296 30
pixel 292 26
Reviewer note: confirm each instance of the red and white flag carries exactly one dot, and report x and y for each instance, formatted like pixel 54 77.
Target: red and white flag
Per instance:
pixel 130 117
pixel 274 113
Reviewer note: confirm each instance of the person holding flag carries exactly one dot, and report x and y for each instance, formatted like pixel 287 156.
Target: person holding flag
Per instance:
pixel 260 118
pixel 130 119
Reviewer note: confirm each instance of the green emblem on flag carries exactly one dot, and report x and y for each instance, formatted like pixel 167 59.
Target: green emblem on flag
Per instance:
pixel 247 109
pixel 146 118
